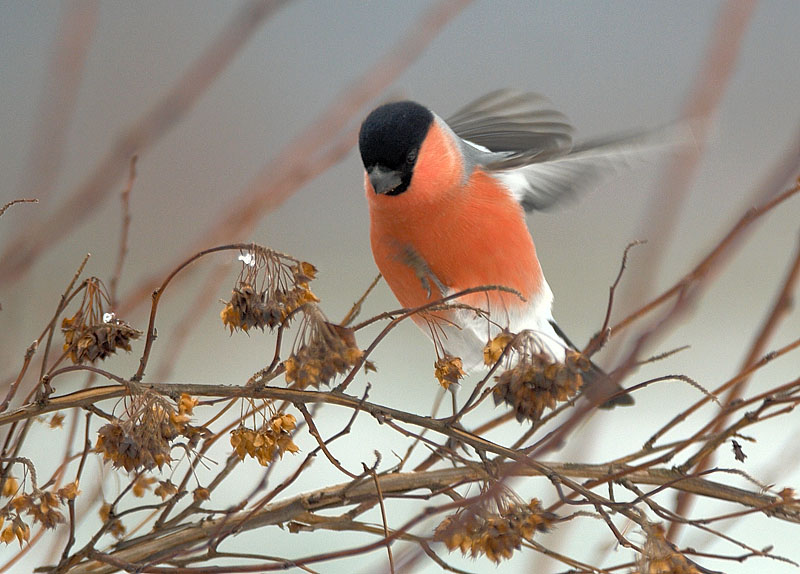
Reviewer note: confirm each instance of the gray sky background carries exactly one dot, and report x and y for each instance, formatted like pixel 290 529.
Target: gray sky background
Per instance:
pixel 608 65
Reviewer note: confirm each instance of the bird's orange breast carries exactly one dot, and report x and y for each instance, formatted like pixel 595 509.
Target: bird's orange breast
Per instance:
pixel 466 235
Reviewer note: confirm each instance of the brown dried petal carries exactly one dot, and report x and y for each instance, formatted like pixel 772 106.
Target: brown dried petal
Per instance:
pixel 448 370
pixel 494 348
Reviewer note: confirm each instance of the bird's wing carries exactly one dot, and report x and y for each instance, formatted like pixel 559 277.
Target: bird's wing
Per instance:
pixel 528 146
pixel 518 127
pixel 542 184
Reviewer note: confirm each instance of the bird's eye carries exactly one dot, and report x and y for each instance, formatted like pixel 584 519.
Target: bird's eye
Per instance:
pixel 411 157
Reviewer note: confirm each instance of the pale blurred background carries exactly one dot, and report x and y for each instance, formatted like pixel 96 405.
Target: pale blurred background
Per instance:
pixel 608 65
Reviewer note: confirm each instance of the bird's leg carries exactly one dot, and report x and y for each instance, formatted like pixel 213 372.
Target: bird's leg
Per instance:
pixel 410 257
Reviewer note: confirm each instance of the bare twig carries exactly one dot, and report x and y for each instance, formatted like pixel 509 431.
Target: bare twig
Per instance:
pixel 383 516
pixel 356 308
pixel 15 202
pixel 600 338
pixel 15 385
pixel 87 447
pixel 312 428
pixel 126 223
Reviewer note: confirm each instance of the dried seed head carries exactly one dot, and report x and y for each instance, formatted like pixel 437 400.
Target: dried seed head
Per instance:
pixel 270 287
pixel 659 556
pixel 493 534
pixel 69 491
pixel 10 486
pixel 142 484
pixel 165 489
pixel 186 404
pixel 141 439
pixel 114 524
pixel 42 506
pixel 200 494
pixel 88 343
pixel 323 351
pixel 274 437
pixel 537 382
pixel 17 529
pixel 92 333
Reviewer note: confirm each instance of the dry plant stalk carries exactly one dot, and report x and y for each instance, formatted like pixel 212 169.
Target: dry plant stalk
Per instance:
pixel 167 513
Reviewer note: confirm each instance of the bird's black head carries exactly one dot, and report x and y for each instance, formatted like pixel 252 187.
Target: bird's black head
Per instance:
pixel 389 142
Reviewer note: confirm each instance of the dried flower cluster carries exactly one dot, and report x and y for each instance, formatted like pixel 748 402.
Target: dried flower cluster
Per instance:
pixel 274 437
pixel 41 506
pixel 448 370
pixel 92 333
pixel 324 351
pixel 659 556
pixel 142 438
pixel 536 381
pixel 16 528
pixel 495 535
pixel 269 288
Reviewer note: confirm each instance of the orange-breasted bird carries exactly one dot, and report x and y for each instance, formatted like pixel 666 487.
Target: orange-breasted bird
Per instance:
pixel 447 203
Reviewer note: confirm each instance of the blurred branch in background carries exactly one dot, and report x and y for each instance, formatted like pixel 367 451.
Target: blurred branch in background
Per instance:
pixel 710 82
pixel 57 100
pixel 22 252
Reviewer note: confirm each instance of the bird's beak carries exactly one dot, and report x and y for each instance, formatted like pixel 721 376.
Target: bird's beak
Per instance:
pixel 383 181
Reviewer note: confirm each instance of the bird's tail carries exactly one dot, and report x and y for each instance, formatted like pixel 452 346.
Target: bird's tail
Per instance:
pixel 597 384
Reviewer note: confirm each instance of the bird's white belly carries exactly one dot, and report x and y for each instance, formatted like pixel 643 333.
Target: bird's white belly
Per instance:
pixel 471 331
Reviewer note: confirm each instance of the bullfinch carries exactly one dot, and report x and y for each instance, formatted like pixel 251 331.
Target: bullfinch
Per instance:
pixel 447 204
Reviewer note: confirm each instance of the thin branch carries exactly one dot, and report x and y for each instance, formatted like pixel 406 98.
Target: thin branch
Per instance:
pixel 15 385
pixel 71 502
pixel 312 429
pixel 780 310
pixel 15 202
pixel 383 517
pixel 124 228
pixel 600 338
pixel 356 308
